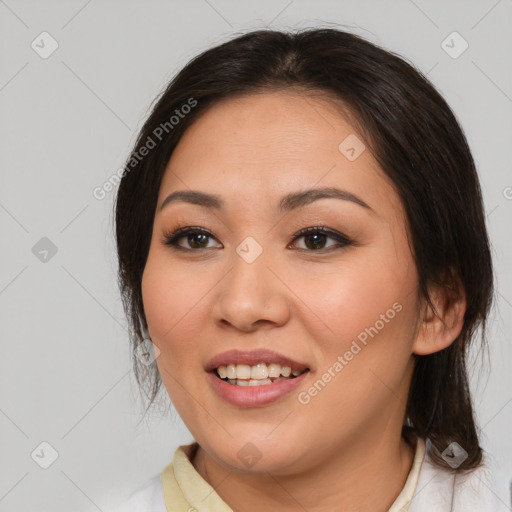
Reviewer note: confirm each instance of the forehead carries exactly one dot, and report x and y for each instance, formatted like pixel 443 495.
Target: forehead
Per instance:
pixel 266 145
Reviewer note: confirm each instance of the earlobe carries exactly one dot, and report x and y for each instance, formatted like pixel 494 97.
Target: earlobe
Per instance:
pixel 441 321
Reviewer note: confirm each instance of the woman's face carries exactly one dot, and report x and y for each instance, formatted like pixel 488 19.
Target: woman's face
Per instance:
pixel 244 287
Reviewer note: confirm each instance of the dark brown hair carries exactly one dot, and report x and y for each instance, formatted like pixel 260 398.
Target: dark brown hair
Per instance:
pixel 413 135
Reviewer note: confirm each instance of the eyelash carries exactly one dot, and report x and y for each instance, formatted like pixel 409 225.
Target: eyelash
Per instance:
pixel 172 238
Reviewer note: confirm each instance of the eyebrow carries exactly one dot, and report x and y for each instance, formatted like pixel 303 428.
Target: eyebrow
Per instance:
pixel 289 202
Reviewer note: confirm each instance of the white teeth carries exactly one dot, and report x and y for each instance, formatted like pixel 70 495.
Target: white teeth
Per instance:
pixel 256 375
pixel 230 370
pixel 243 371
pixel 251 382
pixel 259 371
pixel 256 382
pixel 274 370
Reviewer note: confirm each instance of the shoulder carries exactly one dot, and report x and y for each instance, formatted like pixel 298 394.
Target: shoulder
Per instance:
pixel 149 497
pixel 484 489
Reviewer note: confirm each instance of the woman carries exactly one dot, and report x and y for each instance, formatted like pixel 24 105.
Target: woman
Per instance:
pixel 301 236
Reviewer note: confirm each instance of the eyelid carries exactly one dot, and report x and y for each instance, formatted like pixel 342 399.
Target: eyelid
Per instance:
pixel 335 235
pixel 170 238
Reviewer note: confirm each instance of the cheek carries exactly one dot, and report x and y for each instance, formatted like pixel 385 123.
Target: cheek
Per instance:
pixel 172 303
pixel 169 296
pixel 351 298
pixel 368 317
pixel 163 313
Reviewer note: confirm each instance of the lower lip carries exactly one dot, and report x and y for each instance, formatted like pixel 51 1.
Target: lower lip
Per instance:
pixel 254 396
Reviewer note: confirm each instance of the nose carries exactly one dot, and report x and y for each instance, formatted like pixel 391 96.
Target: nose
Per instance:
pixel 251 297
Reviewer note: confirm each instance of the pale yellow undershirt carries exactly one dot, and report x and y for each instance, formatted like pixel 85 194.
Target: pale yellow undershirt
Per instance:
pixel 185 490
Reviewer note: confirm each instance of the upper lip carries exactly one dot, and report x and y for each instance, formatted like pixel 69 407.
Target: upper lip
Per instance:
pixel 253 357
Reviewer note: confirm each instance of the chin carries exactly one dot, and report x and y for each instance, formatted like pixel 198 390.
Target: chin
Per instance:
pixel 255 454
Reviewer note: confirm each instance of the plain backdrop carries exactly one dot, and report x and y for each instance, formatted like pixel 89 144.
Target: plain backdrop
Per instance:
pixel 67 122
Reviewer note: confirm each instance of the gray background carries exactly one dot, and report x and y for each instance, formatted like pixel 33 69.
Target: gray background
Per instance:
pixel 67 123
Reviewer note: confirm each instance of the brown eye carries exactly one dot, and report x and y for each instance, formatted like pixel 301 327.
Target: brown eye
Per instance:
pixel 189 238
pixel 315 239
pixel 198 240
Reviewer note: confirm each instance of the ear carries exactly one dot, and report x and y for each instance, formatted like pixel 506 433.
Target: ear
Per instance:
pixel 440 325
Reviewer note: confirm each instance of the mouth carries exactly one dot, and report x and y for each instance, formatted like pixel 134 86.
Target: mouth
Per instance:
pixel 259 367
pixel 260 374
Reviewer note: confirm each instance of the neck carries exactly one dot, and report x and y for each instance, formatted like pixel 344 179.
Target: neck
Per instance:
pixel 364 476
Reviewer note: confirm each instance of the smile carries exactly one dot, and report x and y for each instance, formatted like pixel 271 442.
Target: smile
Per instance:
pixel 254 378
pixel 260 374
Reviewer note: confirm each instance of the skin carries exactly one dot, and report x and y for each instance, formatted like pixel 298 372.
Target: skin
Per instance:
pixel 345 445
